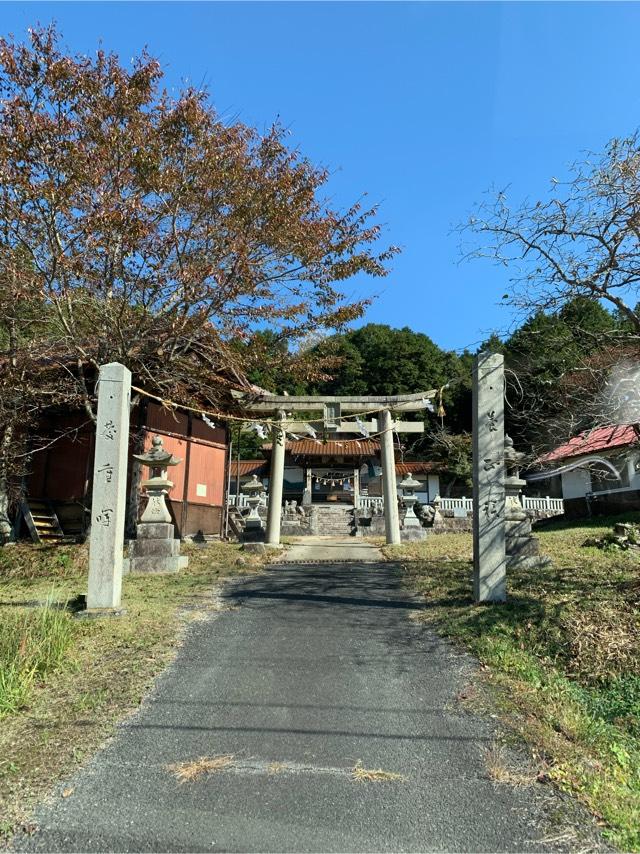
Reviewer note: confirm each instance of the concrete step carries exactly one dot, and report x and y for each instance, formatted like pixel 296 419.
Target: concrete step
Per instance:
pixel 334 521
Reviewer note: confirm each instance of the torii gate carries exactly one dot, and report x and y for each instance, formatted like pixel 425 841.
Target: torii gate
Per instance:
pixel 334 409
pixel 489 522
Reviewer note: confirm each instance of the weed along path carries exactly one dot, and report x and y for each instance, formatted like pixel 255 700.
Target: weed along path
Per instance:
pixel 311 715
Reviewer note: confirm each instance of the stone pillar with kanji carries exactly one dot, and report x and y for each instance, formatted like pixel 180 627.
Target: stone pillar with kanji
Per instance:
pixel 489 556
pixel 109 492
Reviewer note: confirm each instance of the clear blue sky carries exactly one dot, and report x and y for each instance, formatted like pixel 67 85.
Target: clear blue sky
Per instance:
pixel 422 105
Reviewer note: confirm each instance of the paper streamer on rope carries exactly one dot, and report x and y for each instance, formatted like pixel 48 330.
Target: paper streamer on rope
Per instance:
pixel 327 481
pixel 362 427
pixel 441 411
pixel 259 429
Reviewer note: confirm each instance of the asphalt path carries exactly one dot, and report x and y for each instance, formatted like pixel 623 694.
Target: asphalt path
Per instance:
pixel 313 671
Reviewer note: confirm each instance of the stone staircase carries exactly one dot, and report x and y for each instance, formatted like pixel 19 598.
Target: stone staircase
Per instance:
pixel 333 520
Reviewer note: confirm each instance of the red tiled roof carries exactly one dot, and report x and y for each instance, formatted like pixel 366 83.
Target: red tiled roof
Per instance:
pixel 591 441
pixel 418 468
pixel 247 467
pixel 334 448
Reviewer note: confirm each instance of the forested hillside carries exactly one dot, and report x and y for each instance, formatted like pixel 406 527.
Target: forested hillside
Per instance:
pixel 559 368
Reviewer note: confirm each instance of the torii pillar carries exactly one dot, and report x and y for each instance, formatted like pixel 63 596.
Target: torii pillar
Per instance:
pixel 276 478
pixel 389 488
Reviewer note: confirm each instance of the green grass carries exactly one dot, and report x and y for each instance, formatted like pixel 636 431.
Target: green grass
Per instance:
pixel 562 655
pixel 65 683
pixel 32 645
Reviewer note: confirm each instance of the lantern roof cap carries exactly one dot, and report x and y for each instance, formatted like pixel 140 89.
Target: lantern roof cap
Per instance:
pixel 157 456
pixel 409 482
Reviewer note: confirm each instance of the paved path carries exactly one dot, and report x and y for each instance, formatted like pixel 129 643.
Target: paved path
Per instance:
pixel 319 669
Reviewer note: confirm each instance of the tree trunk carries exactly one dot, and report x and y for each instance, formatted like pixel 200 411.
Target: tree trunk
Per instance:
pixel 6 528
pixel 133 498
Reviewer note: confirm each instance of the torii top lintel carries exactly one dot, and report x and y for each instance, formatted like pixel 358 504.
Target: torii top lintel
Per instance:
pixel 306 403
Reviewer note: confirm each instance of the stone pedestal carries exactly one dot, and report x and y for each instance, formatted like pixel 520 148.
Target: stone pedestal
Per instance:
pixel 411 534
pixel 522 548
pixel 155 550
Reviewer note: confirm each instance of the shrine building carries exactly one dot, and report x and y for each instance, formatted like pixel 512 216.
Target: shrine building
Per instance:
pixel 339 471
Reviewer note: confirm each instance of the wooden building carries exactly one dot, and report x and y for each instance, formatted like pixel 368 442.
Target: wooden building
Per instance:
pixel 60 478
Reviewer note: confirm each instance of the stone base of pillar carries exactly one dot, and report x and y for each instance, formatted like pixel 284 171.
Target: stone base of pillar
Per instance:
pixel 155 550
pixel 98 613
pixel 253 535
pixel 411 534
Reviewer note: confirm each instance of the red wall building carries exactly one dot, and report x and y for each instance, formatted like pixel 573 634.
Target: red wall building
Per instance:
pixel 61 473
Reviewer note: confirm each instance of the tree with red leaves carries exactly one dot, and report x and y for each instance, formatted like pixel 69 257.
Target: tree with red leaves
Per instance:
pixel 141 228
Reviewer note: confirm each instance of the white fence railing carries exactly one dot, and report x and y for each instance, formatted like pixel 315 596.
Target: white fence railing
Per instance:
pixel 546 504
pixel 240 500
pixel 457 504
pixel 371 502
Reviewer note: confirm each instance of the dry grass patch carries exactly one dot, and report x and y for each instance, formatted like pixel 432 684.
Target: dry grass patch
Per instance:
pixel 501 770
pixel 371 775
pixel 186 772
pixel 276 767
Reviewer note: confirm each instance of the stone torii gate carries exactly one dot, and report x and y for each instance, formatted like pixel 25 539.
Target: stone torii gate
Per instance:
pixel 110 469
pixel 334 409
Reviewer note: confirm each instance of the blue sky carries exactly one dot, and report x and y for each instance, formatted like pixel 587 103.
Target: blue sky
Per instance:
pixel 424 106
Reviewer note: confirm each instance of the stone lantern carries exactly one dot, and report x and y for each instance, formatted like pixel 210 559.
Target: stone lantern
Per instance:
pixel 411 529
pixel 254 490
pixel 157 486
pixel 513 484
pixel 408 486
pixel 156 549
pixel 522 548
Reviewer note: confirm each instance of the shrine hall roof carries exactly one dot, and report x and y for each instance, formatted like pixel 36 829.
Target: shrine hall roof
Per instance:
pixel 332 448
pixel 419 468
pixel 247 467
pixel 600 439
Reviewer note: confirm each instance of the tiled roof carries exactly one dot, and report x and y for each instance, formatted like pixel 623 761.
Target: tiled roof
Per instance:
pixel 591 441
pixel 334 448
pixel 247 467
pixel 419 468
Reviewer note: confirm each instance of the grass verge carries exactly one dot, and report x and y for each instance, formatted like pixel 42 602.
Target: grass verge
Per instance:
pixel 65 683
pixel 562 655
